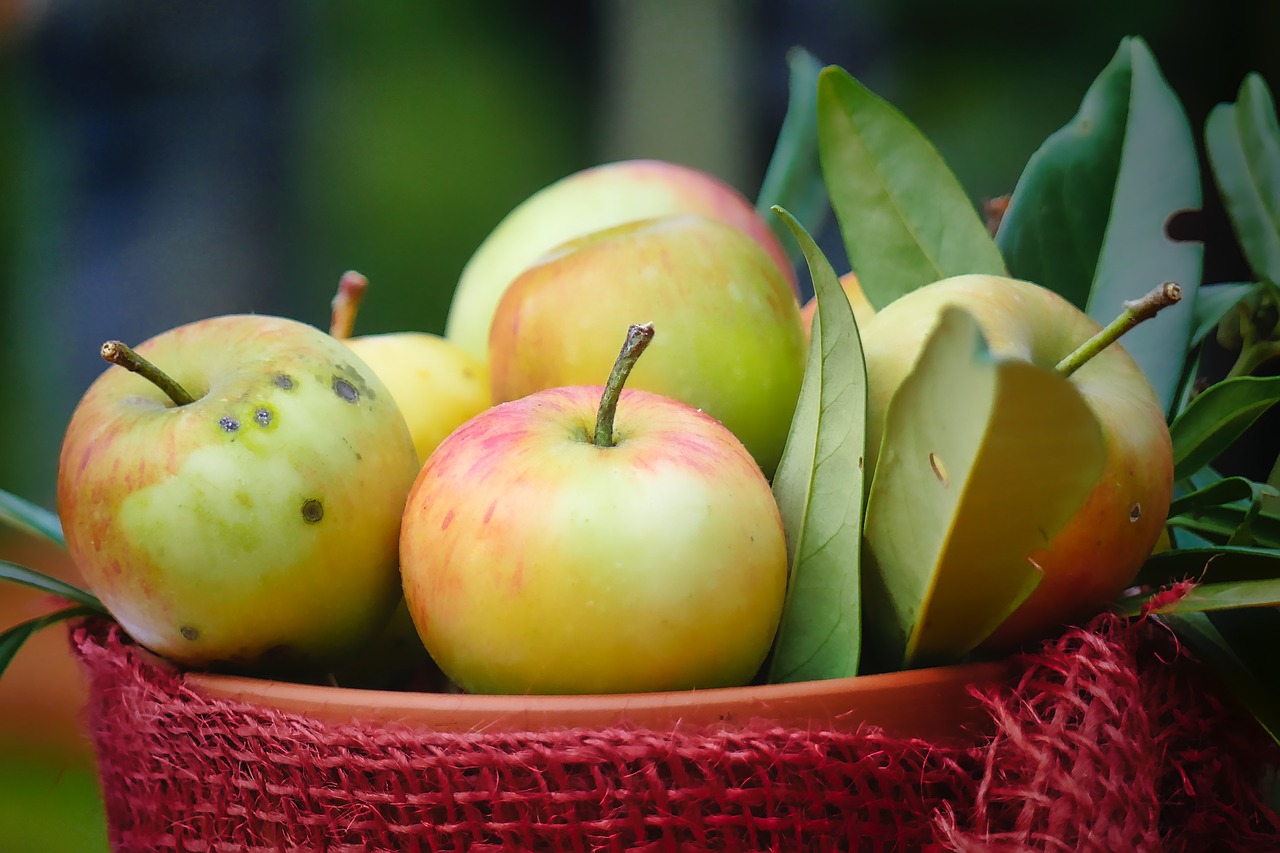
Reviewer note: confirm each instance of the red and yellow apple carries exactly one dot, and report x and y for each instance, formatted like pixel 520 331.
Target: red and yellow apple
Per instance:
pixel 255 524
pixel 436 384
pixel 731 343
pixel 586 201
pixel 537 560
pixel 1096 555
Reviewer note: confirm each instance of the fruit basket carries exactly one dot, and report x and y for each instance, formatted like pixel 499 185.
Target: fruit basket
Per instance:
pixel 938 566
pixel 1104 739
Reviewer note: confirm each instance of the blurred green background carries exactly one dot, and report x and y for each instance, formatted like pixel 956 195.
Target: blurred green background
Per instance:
pixel 161 161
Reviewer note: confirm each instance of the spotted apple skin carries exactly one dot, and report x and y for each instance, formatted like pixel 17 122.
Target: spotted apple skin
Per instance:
pixel 256 526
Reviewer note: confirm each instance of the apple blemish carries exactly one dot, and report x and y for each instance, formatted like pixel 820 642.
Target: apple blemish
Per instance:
pixel 189 633
pixel 229 424
pixel 345 390
pixel 312 511
pixel 284 382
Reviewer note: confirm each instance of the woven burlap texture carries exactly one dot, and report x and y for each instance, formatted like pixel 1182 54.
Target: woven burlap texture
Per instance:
pixel 1109 740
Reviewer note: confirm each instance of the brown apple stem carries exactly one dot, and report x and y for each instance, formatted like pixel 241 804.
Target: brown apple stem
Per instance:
pixel 346 304
pixel 638 337
pixel 1135 311
pixel 122 355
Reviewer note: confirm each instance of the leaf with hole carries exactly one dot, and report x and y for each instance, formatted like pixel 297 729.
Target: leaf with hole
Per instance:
pixel 904 217
pixel 819 490
pixel 1087 217
pixel 983 460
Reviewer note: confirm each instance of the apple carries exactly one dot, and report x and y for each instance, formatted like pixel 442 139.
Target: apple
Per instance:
pixel 436 384
pixel 585 201
pixel 593 540
pixel 1096 555
pixel 862 310
pixel 243 510
pixel 732 342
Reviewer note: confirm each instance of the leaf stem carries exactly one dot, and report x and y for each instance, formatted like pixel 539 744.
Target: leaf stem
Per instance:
pixel 1252 356
pixel 346 304
pixel 1135 311
pixel 638 338
pixel 122 354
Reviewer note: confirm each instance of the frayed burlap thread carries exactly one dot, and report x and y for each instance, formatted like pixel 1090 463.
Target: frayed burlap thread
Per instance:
pixel 1107 741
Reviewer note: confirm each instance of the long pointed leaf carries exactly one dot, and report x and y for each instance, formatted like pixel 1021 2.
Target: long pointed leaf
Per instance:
pixel 1242 141
pixel 1087 218
pixel 1213 421
pixel 904 217
pixel 24 515
pixel 1215 565
pixel 793 180
pixel 818 486
pixel 13 638
pixel 39 580
pixel 1210 597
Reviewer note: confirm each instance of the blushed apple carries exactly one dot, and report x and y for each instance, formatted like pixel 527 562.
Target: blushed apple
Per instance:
pixel 247 515
pixel 731 345
pixel 584 541
pixel 1096 555
pixel 436 384
pixel 595 198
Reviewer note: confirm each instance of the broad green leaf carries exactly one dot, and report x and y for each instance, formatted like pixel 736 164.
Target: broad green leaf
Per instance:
pixel 1258 695
pixel 903 215
pixel 1212 303
pixel 819 490
pixel 1216 565
pixel 983 460
pixel 1208 597
pixel 1222 524
pixel 39 580
pixel 12 639
pixel 1242 141
pixel 1213 420
pixel 1225 491
pixel 793 180
pixel 1087 217
pixel 26 516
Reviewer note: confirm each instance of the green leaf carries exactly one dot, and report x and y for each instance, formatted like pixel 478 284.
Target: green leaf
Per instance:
pixel 39 580
pixel 26 516
pixel 1225 491
pixel 1213 421
pixel 819 490
pixel 793 180
pixel 1209 597
pixel 1212 303
pixel 903 215
pixel 1242 141
pixel 12 639
pixel 1087 217
pixel 1258 696
pixel 983 460
pixel 1217 565
pixel 1222 525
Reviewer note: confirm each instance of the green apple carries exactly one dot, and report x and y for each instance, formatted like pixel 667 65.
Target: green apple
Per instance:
pixel 732 343
pixel 1096 555
pixel 594 198
pixel 584 541
pixel 243 509
pixel 436 383
pixel 862 309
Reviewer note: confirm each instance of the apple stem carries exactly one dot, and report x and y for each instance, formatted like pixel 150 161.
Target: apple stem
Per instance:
pixel 122 355
pixel 346 304
pixel 1135 311
pixel 638 337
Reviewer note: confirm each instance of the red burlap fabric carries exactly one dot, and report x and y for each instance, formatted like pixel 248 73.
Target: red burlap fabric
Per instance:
pixel 1109 741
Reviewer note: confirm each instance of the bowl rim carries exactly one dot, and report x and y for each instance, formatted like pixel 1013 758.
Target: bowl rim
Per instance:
pixel 934 702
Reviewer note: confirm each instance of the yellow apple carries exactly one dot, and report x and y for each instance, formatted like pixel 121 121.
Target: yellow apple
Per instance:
pixel 1096 555
pixel 436 384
